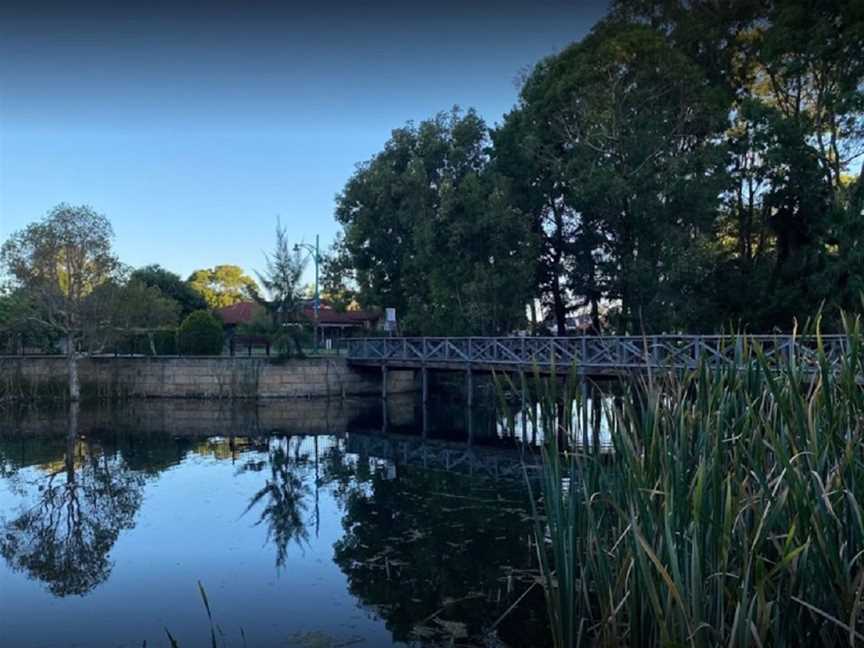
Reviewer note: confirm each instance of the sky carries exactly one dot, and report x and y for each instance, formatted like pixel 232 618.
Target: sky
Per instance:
pixel 194 125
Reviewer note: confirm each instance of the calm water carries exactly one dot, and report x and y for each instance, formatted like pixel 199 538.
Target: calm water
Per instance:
pixel 309 523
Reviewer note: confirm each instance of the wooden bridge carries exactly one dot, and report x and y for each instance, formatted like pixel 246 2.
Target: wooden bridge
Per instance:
pixel 591 355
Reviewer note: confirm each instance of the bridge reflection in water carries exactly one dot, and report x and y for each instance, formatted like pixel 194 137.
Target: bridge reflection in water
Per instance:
pixel 442 433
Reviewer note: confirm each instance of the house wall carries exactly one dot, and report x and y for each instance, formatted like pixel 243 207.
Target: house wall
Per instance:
pixel 195 377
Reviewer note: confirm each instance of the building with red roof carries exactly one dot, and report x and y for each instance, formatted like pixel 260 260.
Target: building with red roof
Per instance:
pixel 332 323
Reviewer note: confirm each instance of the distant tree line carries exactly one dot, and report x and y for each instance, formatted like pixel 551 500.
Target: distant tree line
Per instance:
pixel 66 291
pixel 688 165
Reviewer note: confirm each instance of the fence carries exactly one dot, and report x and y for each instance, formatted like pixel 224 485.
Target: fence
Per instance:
pixel 597 352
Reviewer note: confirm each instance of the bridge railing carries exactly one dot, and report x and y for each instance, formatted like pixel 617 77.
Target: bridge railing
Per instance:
pixel 598 352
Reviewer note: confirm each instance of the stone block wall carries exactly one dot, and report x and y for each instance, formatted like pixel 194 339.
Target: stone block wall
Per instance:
pixel 195 377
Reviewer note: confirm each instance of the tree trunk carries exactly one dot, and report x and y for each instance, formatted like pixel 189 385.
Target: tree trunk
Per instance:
pixel 71 437
pixel 152 343
pixel 72 365
pixel 558 306
pixel 595 315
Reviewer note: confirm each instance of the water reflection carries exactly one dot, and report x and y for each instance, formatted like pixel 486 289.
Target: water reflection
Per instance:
pixel 435 554
pixel 283 497
pixel 82 503
pixel 306 502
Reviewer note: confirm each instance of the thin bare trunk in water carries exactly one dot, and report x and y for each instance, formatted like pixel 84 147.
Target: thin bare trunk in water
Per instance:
pixel 72 364
pixel 71 437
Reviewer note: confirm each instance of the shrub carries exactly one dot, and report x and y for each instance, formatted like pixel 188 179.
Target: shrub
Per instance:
pixel 201 334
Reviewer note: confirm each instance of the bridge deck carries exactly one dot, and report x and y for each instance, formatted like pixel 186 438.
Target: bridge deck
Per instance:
pixel 595 355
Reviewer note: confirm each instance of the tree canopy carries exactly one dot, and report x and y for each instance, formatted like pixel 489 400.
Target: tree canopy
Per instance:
pixel 223 285
pixel 430 231
pixel 171 285
pixel 61 263
pixel 687 165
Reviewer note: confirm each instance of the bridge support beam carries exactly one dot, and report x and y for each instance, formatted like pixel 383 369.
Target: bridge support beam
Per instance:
pixel 524 407
pixel 424 397
pixel 384 381
pixel 469 389
pixel 583 388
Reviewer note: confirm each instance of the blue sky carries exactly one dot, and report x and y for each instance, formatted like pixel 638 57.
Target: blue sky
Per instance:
pixel 193 125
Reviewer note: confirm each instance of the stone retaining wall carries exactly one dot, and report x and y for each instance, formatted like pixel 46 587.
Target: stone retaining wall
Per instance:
pixel 195 377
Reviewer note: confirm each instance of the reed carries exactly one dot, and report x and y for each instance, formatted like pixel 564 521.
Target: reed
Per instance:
pixel 728 512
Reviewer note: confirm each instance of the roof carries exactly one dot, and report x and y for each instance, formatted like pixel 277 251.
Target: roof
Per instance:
pixel 326 315
pixel 243 312
pixel 239 313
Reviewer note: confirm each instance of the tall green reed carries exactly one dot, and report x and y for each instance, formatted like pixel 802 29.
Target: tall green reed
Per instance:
pixel 728 512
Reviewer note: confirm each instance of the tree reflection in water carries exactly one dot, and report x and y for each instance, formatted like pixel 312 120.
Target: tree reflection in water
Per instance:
pixel 65 537
pixel 285 510
pixel 437 555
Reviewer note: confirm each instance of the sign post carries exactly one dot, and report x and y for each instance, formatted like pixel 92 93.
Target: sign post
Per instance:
pixel 390 320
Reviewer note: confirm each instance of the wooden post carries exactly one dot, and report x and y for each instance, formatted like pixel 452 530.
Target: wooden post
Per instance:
pixel 424 398
pixel 583 388
pixel 524 406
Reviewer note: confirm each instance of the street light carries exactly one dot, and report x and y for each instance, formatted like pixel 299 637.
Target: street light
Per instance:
pixel 316 256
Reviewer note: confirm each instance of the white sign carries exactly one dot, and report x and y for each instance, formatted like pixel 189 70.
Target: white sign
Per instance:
pixel 389 319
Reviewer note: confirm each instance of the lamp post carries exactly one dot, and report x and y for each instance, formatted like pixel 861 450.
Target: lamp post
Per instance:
pixel 316 256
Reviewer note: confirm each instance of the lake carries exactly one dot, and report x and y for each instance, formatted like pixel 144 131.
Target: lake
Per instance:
pixel 308 523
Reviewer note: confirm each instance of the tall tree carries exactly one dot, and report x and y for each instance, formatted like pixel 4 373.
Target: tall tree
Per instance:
pixel 223 285
pixel 808 98
pixel 283 271
pixel 793 71
pixel 429 230
pixel 338 286
pixel 621 131
pixel 61 261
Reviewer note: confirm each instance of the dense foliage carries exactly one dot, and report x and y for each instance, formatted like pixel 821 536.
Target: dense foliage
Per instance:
pixel 222 285
pixel 687 165
pixel 429 230
pixel 201 334
pixel 171 285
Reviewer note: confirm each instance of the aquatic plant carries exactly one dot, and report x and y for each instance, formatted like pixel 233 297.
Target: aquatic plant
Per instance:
pixel 728 512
